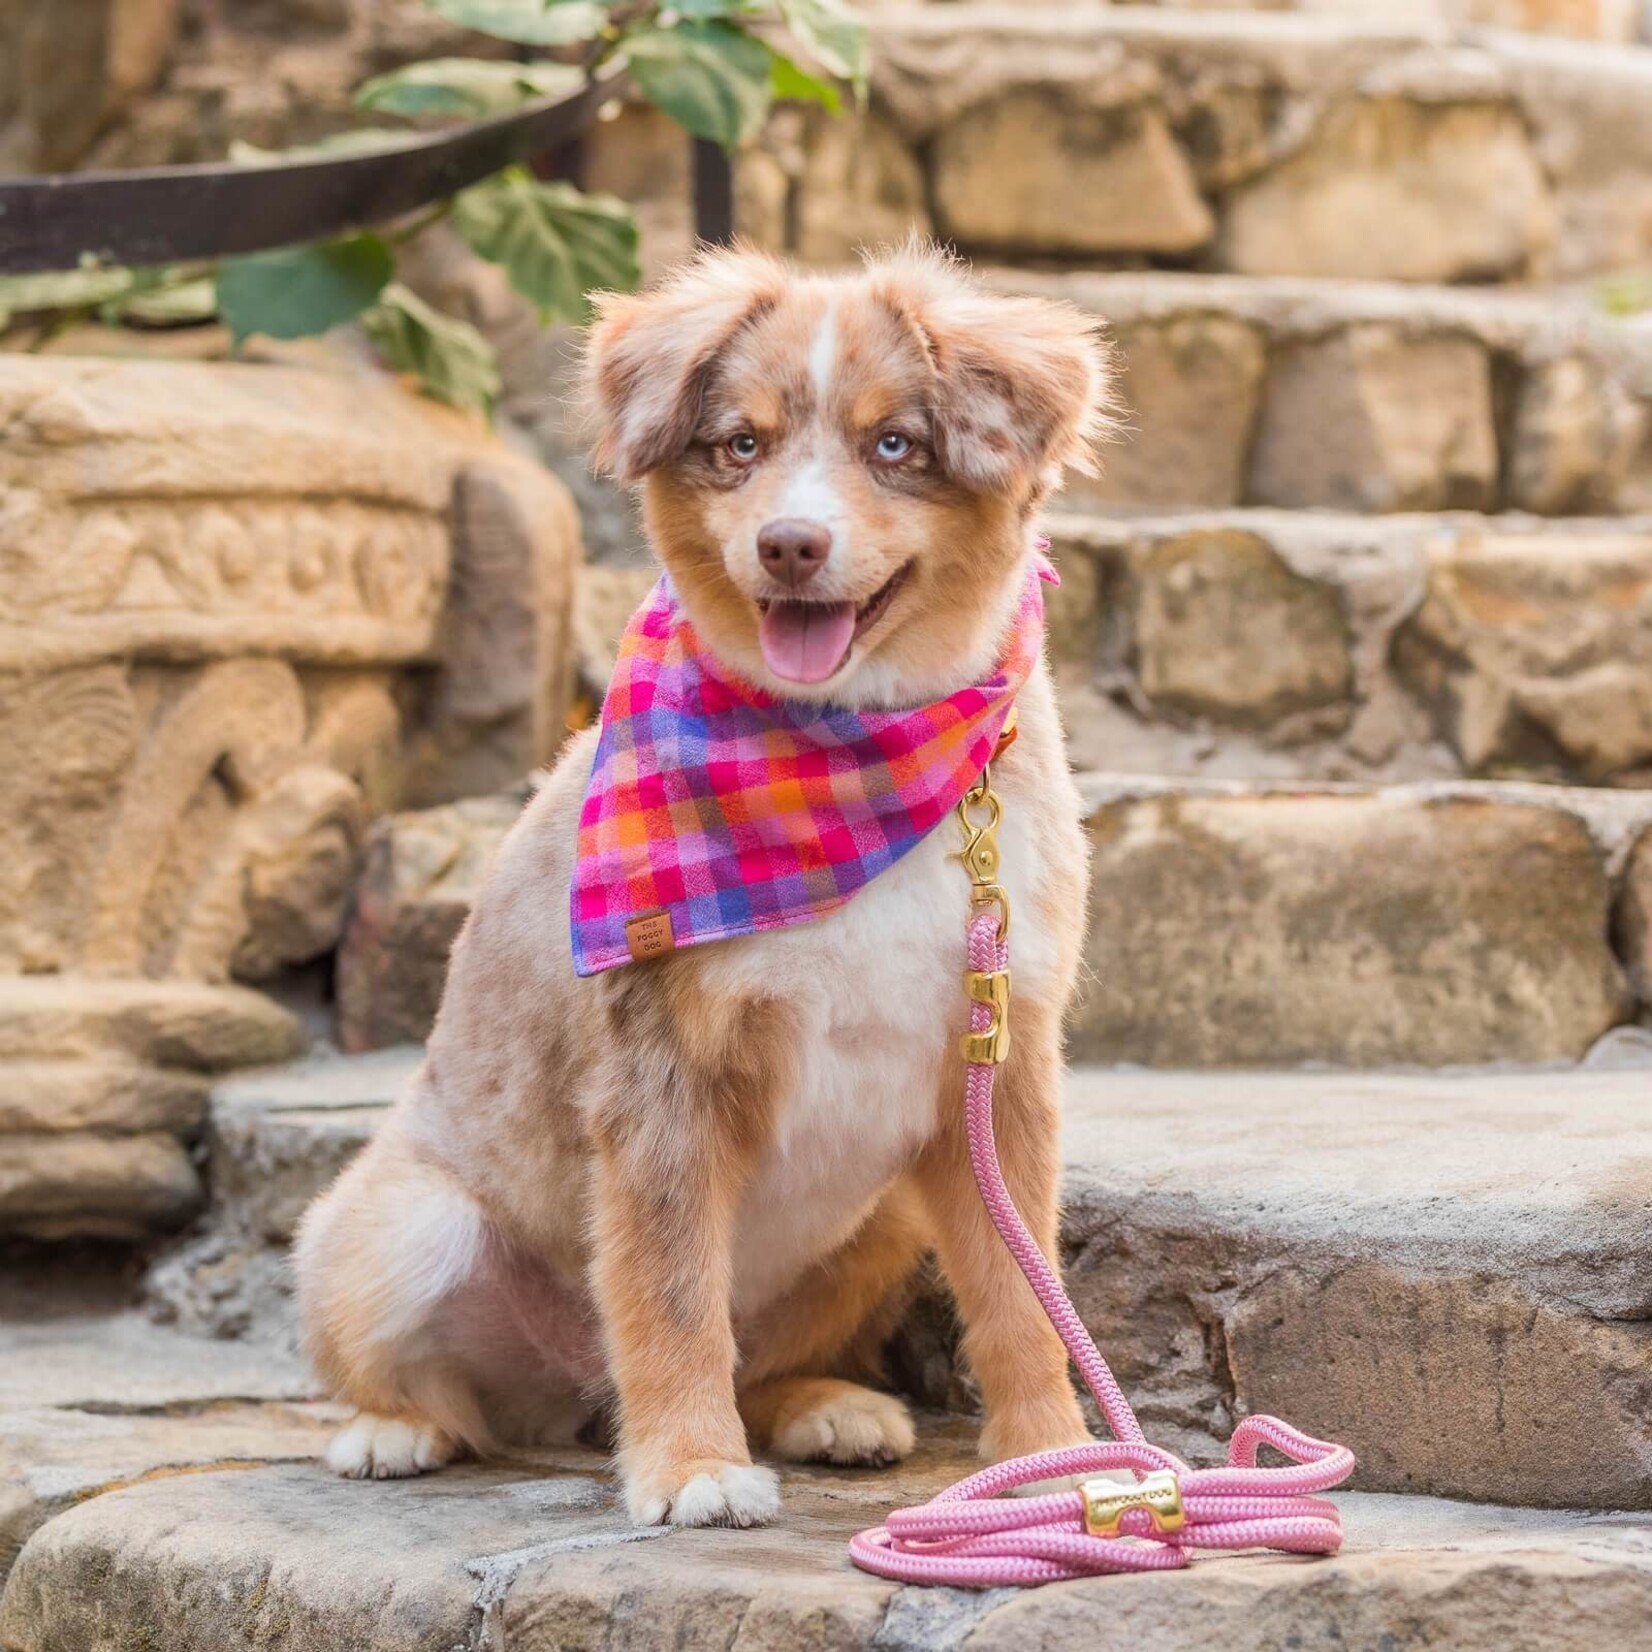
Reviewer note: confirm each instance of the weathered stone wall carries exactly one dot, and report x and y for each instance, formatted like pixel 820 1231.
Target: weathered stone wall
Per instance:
pixel 1267 643
pixel 1255 143
pixel 1235 925
pixel 243 609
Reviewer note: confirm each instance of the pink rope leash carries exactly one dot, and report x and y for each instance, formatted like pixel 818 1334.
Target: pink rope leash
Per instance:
pixel 970 1536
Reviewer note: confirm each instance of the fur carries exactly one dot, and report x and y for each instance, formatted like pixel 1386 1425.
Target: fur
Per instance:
pixel 693 1192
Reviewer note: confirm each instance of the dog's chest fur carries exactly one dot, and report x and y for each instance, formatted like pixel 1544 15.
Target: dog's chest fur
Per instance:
pixel 878 990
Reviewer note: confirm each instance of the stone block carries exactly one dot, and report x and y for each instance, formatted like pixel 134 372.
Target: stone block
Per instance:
pixel 1577 439
pixel 1373 418
pixel 1043 171
pixel 1222 628
pixel 1397 188
pixel 1468 1319
pixel 1633 920
pixel 105 1094
pixel 1535 652
pixel 1358 929
pixel 167 1023
pixel 422 873
pixel 281 1135
pixel 1190 386
pixel 83 1184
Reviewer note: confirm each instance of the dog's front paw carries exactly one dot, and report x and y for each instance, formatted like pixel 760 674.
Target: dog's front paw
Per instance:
pixel 706 1493
pixel 371 1447
pixel 841 1422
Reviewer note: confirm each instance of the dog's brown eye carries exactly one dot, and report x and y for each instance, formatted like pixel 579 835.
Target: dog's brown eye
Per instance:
pixel 893 445
pixel 743 446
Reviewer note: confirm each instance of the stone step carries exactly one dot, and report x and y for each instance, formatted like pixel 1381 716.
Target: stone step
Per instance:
pixel 1473 1322
pixel 94 1394
pixel 1260 143
pixel 1312 645
pixel 538 1557
pixel 1251 924
pixel 102 1092
pixel 1366 396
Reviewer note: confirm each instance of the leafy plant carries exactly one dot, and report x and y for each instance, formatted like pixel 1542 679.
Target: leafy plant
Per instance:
pixel 711 65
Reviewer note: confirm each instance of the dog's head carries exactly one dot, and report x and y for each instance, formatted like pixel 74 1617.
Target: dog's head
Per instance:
pixel 839 471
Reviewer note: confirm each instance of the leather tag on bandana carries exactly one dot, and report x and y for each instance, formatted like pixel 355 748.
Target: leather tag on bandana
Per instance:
pixel 649 936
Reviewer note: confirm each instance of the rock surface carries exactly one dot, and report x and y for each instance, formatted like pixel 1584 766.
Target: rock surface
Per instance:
pixel 421 874
pixel 538 1557
pixel 1273 645
pixel 1253 928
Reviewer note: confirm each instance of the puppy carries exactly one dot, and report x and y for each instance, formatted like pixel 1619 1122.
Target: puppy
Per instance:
pixel 694 1189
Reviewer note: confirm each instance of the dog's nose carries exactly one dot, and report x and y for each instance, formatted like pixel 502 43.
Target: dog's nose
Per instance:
pixel 792 550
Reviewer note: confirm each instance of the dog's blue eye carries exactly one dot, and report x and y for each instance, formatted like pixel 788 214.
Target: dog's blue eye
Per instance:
pixel 743 446
pixel 893 445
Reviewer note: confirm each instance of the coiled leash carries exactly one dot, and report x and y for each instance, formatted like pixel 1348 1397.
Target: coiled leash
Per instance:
pixel 971 1536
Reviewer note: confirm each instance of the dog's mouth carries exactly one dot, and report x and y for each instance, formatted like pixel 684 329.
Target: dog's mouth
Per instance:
pixel 807 642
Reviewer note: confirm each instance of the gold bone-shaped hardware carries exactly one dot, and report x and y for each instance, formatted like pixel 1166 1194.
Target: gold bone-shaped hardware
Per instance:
pixel 989 987
pixel 1106 1503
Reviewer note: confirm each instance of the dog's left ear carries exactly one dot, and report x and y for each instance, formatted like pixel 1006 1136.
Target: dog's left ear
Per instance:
pixel 1023 386
pixel 647 356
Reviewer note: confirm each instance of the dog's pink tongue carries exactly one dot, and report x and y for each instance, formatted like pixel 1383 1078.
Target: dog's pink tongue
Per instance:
pixel 805 642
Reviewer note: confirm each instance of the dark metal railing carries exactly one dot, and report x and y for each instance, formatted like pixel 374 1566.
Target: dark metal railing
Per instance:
pixel 177 214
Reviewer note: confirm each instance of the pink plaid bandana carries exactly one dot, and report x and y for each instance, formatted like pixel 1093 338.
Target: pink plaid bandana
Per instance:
pixel 715 810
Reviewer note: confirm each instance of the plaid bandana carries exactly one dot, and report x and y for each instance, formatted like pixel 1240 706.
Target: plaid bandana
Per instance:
pixel 716 810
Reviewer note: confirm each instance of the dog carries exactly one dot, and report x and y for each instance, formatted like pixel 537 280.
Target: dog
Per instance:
pixel 692 1193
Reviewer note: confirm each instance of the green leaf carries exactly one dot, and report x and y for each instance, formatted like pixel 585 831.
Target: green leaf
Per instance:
pixel 302 290
pixel 792 84
pixel 709 77
pixel 450 359
pixel 363 140
pixel 704 9
pixel 61 290
pixel 468 86
pixel 528 22
pixel 555 243
pixel 832 35
pixel 175 296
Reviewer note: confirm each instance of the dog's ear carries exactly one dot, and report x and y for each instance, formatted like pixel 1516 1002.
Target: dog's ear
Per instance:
pixel 1023 386
pixel 647 355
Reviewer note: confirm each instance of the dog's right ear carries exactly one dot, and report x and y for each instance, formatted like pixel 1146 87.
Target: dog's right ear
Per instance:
pixel 647 355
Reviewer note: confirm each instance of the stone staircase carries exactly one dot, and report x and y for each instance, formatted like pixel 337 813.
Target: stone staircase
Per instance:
pixel 1355 644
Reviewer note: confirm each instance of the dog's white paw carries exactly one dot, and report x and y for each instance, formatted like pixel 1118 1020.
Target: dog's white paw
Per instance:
pixel 385 1448
pixel 851 1425
pixel 725 1494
